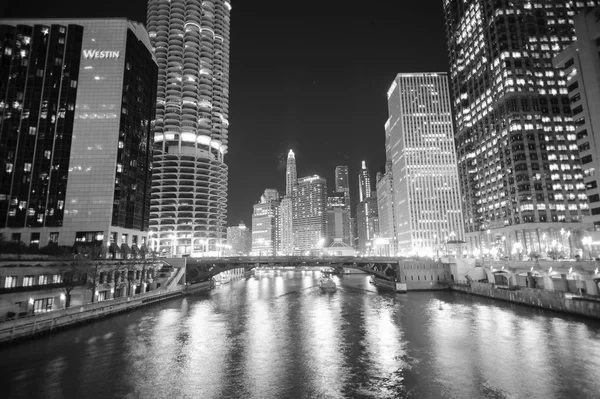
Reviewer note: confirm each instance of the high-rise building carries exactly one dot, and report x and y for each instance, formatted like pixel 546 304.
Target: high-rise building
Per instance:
pixel 265 225
pixel 189 196
pixel 367 221
pixel 385 211
pixel 338 220
pixel 286 225
pixel 290 173
pixel 342 185
pixel 580 63
pixel 426 197
pixel 77 102
pixel 240 240
pixel 518 160
pixel 309 201
pixel 364 183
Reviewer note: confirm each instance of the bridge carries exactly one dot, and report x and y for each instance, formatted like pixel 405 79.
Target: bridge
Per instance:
pixel 201 269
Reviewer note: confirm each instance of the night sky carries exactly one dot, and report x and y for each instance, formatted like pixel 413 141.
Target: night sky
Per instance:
pixel 311 76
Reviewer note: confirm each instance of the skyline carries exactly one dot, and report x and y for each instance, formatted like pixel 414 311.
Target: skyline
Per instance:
pixel 303 89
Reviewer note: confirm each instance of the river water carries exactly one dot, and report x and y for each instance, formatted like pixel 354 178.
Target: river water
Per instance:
pixel 276 335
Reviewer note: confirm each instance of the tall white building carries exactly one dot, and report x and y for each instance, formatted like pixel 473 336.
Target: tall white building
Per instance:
pixel 286 225
pixel 265 224
pixel 189 195
pixel 425 180
pixel 309 203
pixel 386 242
pixel 364 183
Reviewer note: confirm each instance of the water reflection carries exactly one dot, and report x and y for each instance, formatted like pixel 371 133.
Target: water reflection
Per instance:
pixel 277 335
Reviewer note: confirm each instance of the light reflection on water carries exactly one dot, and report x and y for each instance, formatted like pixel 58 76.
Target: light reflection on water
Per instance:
pixel 276 335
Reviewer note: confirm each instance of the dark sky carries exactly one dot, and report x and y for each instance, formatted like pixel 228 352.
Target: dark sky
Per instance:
pixel 311 76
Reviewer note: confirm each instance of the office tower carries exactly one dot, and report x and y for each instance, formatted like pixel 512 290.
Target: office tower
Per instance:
pixel 513 120
pixel 364 183
pixel 581 63
pixel 264 224
pixel 290 173
pixel 77 102
pixel 338 219
pixel 189 195
pixel 309 200
pixel 426 198
pixel 386 242
pixel 342 185
pixel 367 221
pixel 240 239
pixel 286 226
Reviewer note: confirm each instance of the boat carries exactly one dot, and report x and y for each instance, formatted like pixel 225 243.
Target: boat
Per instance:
pixel 326 284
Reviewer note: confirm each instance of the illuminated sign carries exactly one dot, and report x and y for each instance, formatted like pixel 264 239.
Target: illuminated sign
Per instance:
pixel 100 54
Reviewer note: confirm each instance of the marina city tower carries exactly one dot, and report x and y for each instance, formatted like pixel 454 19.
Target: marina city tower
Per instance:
pixel 189 190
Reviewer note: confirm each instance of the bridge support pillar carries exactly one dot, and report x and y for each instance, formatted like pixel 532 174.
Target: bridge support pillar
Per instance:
pixel 548 283
pixel 591 287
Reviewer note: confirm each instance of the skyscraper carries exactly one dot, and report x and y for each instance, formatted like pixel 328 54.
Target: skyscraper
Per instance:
pixel 385 210
pixel 77 102
pixel 290 173
pixel 364 183
pixel 189 196
pixel 342 185
pixel 426 198
pixel 240 239
pixel 309 200
pixel 265 225
pixel 518 160
pixel 338 220
pixel 581 64
pixel 286 225
pixel 367 221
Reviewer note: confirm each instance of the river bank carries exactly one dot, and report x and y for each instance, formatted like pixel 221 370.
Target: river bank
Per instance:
pixel 540 298
pixel 28 327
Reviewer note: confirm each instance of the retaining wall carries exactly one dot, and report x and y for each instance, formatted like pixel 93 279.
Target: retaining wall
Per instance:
pixel 27 327
pixel 553 300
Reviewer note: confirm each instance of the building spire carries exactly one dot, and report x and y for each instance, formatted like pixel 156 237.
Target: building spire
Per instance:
pixel 290 175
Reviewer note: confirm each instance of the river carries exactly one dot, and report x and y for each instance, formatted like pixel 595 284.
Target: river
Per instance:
pixel 276 335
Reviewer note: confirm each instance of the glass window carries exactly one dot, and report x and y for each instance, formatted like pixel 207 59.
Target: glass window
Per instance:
pixel 43 305
pixel 28 281
pixel 10 281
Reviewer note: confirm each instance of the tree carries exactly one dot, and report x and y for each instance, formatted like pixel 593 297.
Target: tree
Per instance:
pixel 93 278
pixel 72 274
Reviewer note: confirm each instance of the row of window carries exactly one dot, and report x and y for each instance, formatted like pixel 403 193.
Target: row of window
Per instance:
pixel 28 281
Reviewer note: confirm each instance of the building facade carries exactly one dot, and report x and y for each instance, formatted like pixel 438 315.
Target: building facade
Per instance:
pixel 342 186
pixel 364 183
pixel 518 160
pixel 239 238
pixel 286 225
pixel 265 224
pixel 338 220
pixel 367 221
pixel 309 201
pixel 76 132
pixel 386 242
pixel 580 64
pixel 426 197
pixel 189 195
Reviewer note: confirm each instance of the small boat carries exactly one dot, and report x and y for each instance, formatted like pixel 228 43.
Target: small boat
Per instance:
pixel 326 284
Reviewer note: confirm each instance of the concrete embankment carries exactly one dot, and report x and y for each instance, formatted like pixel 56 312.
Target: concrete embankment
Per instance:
pixel 545 299
pixel 27 327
